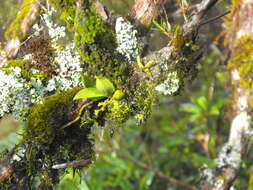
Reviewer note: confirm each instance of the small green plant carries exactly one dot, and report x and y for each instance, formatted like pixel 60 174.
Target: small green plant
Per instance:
pixel 162 26
pixel 101 89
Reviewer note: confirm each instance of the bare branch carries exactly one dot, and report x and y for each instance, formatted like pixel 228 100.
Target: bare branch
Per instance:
pixel 76 163
pixel 214 18
pixel 201 9
pixel 102 11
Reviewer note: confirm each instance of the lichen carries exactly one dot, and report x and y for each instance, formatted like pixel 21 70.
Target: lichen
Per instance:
pixel 170 85
pixel 13 91
pixel 44 68
pixel 127 40
pixel 242 60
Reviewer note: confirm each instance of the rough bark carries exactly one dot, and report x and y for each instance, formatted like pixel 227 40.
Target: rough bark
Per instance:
pixel 239 33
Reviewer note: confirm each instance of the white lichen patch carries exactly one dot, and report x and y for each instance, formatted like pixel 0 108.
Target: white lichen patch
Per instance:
pixel 55 32
pixel 13 92
pixel 68 72
pixel 170 85
pixel 17 93
pixel 66 59
pixel 128 44
pixel 229 157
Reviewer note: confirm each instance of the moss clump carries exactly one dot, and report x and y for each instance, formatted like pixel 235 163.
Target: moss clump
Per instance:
pixel 186 56
pixel 94 40
pixel 96 44
pixel 15 29
pixel 47 143
pixel 242 60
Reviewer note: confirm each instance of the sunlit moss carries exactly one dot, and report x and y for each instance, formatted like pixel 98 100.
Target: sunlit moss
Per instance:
pixel 15 30
pixel 242 60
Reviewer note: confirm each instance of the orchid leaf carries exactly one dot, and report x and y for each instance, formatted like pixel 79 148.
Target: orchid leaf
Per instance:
pixel 104 85
pixel 89 93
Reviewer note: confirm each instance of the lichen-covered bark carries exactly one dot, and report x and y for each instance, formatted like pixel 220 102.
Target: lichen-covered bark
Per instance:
pixel 239 37
pixel 55 124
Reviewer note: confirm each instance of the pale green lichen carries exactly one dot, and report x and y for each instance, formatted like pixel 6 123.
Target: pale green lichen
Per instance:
pixel 127 40
pixel 170 85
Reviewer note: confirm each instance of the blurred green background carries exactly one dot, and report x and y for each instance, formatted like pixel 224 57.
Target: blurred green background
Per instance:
pixel 184 133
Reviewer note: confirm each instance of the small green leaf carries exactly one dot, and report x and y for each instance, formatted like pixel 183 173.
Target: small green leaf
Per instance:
pixel 89 93
pixel 87 82
pixel 104 85
pixel 202 103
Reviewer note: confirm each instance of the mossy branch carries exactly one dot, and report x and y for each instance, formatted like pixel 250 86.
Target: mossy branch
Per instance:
pixel 57 131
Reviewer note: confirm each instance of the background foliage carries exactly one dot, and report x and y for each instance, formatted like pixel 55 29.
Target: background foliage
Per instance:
pixel 184 133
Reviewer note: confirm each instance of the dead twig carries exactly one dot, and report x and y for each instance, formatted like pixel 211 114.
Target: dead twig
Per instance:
pixel 76 163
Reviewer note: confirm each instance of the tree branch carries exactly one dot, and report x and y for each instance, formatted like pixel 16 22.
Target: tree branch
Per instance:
pixel 76 163
pixel 201 9
pixel 228 163
pixel 178 56
pixel 162 175
pixel 16 35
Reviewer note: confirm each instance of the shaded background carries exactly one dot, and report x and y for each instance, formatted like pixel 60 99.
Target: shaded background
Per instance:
pixel 184 133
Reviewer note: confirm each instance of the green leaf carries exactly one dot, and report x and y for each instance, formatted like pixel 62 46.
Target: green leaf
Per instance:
pixel 203 103
pixel 104 85
pixel 146 180
pixel 190 108
pixel 89 93
pixel 87 82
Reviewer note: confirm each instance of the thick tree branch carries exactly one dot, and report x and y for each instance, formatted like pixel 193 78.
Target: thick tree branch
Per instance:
pixel 178 56
pixel 234 151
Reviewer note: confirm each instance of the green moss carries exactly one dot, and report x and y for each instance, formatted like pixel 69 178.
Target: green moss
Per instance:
pixel 96 43
pixel 47 143
pixel 94 40
pixel 15 30
pixel 242 60
pixel 23 65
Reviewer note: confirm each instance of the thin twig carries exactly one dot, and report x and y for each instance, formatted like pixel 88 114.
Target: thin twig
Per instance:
pixel 76 163
pixel 201 9
pixel 214 18
pixel 162 175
